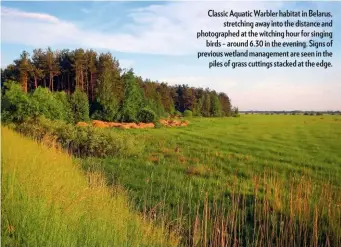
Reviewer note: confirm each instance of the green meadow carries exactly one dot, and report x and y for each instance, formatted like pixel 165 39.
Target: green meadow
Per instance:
pixel 253 180
pixel 213 150
pixel 201 172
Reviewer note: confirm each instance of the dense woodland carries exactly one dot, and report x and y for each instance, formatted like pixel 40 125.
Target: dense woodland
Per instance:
pixel 113 93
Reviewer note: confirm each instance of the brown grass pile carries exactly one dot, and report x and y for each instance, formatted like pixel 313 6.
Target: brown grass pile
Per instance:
pixel 174 123
pixel 165 122
pixel 82 124
pixel 99 124
pixel 103 124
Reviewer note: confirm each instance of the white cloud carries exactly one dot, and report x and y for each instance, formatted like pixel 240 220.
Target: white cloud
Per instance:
pixel 14 13
pixel 157 29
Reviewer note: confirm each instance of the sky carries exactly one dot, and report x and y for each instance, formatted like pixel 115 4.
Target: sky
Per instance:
pixel 159 41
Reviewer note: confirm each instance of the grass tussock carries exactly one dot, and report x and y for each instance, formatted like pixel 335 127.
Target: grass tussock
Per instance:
pixel 48 201
pixel 198 170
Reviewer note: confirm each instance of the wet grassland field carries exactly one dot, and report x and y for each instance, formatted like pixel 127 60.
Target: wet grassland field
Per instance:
pixel 256 180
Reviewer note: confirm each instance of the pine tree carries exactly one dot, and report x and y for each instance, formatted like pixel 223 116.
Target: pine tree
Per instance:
pixel 24 66
pixel 67 73
pixel 51 66
pixel 37 66
pixel 79 65
pixel 189 99
pixel 92 68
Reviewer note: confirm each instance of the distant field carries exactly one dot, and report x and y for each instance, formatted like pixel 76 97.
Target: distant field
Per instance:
pixel 225 156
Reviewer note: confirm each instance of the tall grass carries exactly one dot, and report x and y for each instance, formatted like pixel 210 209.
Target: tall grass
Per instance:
pixel 48 201
pixel 279 213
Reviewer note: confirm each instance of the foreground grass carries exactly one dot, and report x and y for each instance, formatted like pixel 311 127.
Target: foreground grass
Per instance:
pixel 48 201
pixel 276 179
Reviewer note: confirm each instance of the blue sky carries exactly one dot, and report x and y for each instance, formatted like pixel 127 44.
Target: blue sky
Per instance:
pixel 158 39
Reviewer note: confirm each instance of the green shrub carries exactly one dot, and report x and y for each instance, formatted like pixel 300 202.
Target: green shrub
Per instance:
pixel 82 141
pixel 64 100
pixel 155 105
pixel 235 112
pixel 146 116
pixel 16 106
pixel 48 105
pixel 166 115
pixel 188 113
pixel 105 111
pixel 80 106
pixel 178 114
pixel 157 125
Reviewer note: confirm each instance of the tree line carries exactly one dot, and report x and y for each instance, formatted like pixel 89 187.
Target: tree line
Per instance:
pixel 113 93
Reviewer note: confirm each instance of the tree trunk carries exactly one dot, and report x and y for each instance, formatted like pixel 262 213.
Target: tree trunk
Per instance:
pixel 87 84
pixel 92 87
pixel 82 80
pixel 25 83
pixel 51 81
pixel 58 84
pixel 68 83
pixel 61 81
pixel 76 78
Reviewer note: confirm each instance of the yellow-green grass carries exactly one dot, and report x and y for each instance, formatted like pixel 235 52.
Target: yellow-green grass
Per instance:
pixel 48 201
pixel 224 156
